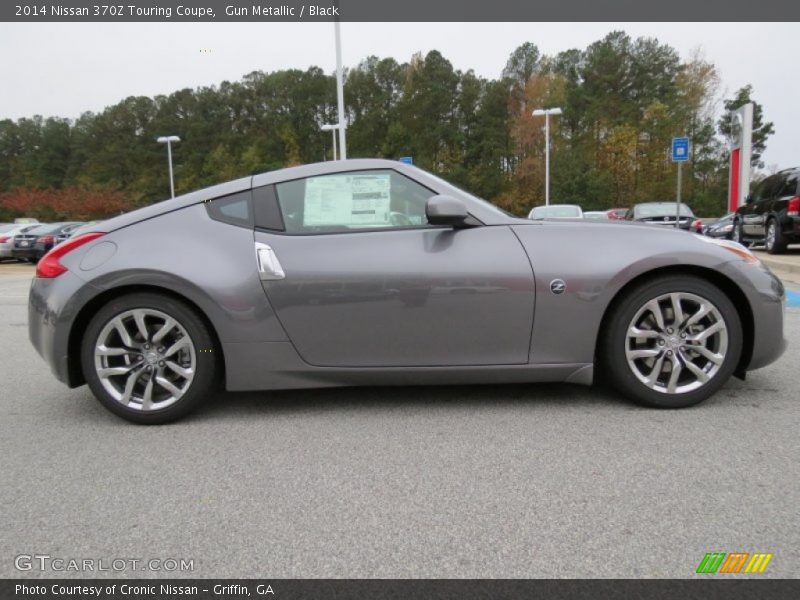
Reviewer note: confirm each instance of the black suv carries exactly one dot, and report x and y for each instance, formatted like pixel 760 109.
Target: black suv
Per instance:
pixel 771 214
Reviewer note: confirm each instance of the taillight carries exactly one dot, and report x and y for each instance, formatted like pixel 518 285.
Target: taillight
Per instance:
pixel 4 239
pixel 697 224
pixel 793 209
pixel 45 239
pixel 50 265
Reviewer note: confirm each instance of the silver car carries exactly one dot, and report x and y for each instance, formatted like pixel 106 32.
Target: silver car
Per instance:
pixel 7 234
pixel 556 211
pixel 374 272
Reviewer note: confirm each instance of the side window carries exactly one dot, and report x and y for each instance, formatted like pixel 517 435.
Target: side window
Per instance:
pixel 789 187
pixel 236 209
pixel 352 201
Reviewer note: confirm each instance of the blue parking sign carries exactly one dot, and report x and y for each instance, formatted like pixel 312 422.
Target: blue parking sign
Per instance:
pixel 407 160
pixel 680 149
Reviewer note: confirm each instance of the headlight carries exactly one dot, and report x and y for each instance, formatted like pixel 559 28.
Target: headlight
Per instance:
pixel 734 248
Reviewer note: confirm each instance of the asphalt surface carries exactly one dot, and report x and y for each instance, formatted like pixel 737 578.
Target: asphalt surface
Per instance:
pixel 495 481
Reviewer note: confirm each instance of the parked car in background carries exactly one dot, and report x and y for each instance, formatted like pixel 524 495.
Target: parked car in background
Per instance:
pixel 25 221
pixel 596 214
pixel 556 211
pixel 663 213
pixel 771 214
pixel 83 228
pixel 67 232
pixel 617 214
pixel 7 239
pixel 25 242
pixel 44 242
pixel 721 229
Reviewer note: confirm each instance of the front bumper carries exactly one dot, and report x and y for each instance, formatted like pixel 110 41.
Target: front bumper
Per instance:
pixel 767 299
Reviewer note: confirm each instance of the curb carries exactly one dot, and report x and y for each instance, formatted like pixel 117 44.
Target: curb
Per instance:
pixel 779 265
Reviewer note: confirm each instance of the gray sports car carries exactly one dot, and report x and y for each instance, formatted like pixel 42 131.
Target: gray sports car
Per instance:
pixel 374 272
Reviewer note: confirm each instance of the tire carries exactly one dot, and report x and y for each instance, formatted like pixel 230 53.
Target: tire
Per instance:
pixel 177 364
pixel 738 234
pixel 628 361
pixel 774 240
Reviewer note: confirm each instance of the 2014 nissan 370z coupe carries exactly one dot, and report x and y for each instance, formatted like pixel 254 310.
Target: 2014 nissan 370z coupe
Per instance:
pixel 373 272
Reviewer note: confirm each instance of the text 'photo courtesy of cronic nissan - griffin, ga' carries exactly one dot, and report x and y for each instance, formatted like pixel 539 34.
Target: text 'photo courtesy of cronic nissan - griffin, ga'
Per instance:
pixel 375 272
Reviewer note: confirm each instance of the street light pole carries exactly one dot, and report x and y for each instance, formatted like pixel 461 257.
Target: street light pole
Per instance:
pixel 340 93
pixel 332 128
pixel 168 139
pixel 546 112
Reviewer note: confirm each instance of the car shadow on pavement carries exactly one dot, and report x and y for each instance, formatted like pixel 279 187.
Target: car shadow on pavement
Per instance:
pixel 238 405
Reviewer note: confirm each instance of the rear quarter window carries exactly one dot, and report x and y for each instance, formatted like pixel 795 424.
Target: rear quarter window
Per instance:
pixel 236 209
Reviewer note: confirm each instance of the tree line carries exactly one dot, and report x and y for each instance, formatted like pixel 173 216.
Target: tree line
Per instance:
pixel 623 100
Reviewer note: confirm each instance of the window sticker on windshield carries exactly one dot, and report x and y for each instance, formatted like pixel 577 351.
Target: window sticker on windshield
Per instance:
pixel 348 200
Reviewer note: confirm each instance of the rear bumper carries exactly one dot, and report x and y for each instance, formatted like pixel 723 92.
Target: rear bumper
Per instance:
pixel 793 228
pixel 53 305
pixel 26 253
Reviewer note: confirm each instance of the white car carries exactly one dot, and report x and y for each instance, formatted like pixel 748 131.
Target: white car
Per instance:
pixel 556 211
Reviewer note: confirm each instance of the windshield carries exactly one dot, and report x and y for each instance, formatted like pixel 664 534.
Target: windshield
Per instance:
pixel 555 212
pixel 660 209
pixel 463 192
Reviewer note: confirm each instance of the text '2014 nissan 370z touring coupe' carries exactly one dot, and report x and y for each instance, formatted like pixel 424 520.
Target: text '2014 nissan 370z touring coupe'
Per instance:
pixel 374 272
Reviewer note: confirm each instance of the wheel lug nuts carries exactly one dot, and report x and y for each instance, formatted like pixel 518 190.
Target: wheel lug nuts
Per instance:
pixel 669 330
pixel 161 363
pixel 683 335
pixel 669 352
pixel 147 346
pixel 660 342
pixel 149 368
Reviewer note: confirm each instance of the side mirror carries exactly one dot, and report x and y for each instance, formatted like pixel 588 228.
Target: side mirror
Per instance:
pixel 445 210
pixel 749 199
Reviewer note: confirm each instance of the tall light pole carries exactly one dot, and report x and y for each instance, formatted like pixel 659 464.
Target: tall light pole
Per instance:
pixel 168 140
pixel 340 93
pixel 332 128
pixel 546 112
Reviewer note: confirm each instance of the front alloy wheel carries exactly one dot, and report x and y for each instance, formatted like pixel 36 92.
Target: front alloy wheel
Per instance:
pixel 148 358
pixel 673 343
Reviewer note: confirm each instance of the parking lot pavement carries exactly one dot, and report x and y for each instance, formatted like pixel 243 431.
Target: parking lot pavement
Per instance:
pixel 481 481
pixel 786 266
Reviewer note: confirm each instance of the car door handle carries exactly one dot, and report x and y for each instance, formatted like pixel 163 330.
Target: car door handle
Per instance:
pixel 269 267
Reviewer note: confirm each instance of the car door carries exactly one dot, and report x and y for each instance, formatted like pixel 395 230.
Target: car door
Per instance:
pixel 358 278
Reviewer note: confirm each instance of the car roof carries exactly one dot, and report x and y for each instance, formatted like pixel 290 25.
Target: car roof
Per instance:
pixel 489 214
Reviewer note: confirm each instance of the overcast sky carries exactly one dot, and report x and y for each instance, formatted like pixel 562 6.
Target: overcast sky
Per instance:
pixel 65 69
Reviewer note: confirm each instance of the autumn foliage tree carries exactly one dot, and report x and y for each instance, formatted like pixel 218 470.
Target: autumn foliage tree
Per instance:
pixel 71 203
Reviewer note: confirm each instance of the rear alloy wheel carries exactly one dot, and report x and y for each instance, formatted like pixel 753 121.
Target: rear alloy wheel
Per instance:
pixel 673 342
pixel 148 358
pixel 774 241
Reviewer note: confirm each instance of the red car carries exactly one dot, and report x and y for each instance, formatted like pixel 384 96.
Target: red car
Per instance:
pixel 617 214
